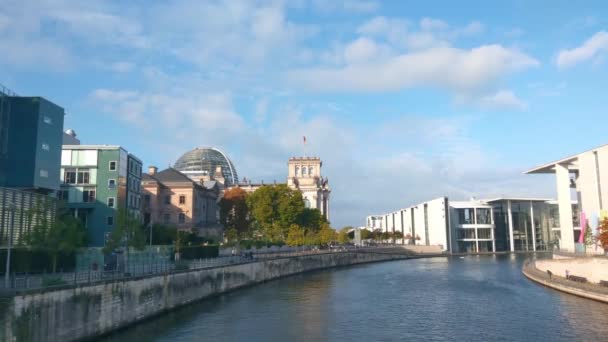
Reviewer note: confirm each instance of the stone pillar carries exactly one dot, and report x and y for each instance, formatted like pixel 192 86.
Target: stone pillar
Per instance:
pixel 510 218
pixel 533 226
pixel 564 202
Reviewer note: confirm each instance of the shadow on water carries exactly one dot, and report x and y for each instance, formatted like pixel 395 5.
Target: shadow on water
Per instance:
pixel 475 298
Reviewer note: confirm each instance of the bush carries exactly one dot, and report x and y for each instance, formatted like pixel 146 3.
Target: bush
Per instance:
pixel 53 281
pixel 199 252
pixel 24 260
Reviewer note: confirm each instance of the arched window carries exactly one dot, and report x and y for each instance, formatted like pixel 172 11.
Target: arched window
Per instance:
pixel 306 203
pixel 311 170
pixel 297 171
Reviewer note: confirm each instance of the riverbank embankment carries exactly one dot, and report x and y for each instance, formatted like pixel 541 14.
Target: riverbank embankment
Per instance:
pixel 88 311
pixel 536 270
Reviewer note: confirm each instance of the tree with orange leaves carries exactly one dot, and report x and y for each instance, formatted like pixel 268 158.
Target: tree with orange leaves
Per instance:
pixel 602 235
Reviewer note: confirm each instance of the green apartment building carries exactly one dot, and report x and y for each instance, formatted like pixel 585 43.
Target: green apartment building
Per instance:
pixel 97 180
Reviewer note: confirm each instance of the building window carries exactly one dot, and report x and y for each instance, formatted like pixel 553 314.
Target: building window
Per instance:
pixel 468 233
pixel 111 202
pixel 69 176
pixel 111 183
pixel 47 120
pixel 110 220
pixel 146 201
pixel 83 177
pixel 297 171
pixel 62 195
pixel 166 218
pixel 44 173
pixel 483 216
pixel 466 216
pixel 181 218
pixel 311 170
pixel 46 147
pixel 88 196
pixel 113 166
pixel 168 199
pixel 182 199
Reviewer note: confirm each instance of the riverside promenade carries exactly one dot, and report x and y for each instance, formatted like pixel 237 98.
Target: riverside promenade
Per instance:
pixel 585 290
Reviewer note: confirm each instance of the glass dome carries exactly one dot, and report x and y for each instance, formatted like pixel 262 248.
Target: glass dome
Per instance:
pixel 203 162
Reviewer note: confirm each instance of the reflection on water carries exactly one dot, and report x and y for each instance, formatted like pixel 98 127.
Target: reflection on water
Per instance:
pixel 477 298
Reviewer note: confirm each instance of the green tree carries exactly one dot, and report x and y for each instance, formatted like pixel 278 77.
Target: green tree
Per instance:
pixel 64 234
pixel 161 234
pixel 273 209
pixel 296 236
pixel 232 236
pixel 343 235
pixel 326 234
pixel 312 219
pixel 365 234
pixel 589 240
pixel 234 211
pixel 127 233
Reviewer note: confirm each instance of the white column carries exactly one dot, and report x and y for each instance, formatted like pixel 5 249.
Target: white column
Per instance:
pixel 476 236
pixel 564 202
pixel 493 227
pixel 533 227
pixel 510 218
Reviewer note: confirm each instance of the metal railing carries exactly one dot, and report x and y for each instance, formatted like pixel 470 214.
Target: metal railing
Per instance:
pixel 33 281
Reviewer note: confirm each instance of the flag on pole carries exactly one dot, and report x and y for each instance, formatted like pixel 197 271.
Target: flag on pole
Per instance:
pixel 304 138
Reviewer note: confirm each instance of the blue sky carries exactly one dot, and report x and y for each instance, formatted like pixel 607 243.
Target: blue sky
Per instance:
pixel 404 101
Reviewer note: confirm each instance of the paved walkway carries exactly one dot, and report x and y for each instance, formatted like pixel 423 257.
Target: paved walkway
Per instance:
pixel 586 290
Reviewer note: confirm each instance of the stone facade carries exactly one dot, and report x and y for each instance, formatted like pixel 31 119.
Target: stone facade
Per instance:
pixel 171 198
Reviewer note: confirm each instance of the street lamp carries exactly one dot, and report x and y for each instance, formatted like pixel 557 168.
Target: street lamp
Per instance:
pixel 11 209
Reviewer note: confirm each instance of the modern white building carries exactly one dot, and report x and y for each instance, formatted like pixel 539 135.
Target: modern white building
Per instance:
pixel 584 175
pixel 494 225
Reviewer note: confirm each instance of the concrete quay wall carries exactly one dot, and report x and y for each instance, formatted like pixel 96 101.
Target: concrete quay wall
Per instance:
pixel 84 312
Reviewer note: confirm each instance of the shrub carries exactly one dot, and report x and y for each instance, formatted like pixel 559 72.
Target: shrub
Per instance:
pixel 199 252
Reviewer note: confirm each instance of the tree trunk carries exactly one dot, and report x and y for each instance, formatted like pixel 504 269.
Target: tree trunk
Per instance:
pixel 54 262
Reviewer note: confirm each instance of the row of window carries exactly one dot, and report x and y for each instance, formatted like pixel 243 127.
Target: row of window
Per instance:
pixel 182 199
pixel 482 233
pixel 467 216
pixel 305 171
pixel 76 176
pixel 134 168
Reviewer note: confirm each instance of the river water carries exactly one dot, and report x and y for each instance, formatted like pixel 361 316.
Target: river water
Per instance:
pixel 475 298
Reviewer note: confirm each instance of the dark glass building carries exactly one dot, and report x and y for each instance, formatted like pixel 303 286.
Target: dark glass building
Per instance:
pixel 31 133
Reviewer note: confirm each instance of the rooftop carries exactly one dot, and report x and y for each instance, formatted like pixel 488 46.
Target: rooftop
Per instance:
pixel 571 160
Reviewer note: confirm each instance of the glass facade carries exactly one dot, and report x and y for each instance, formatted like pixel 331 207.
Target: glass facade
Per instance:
pixel 204 161
pixel 535 225
pixel 474 229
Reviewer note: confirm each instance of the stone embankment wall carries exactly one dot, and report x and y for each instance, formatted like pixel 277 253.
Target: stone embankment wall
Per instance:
pixel 594 269
pixel 87 311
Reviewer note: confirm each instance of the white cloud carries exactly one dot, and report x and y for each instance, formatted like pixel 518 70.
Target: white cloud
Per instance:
pixel 502 99
pixel 364 50
pixel 455 69
pixel 431 24
pixel 592 48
